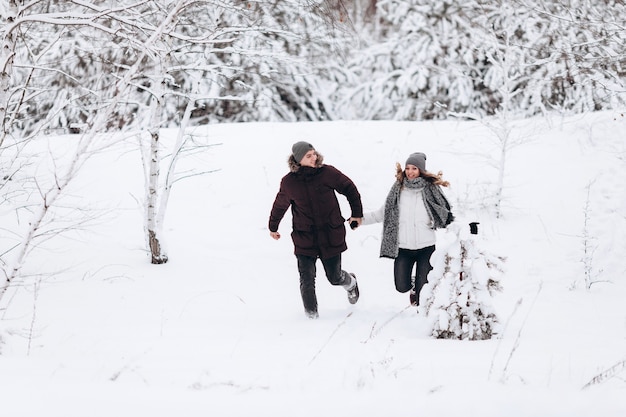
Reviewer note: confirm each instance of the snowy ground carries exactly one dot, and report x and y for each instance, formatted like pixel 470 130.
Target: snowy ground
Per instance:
pixel 95 330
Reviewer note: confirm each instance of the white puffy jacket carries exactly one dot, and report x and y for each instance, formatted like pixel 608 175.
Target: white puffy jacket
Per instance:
pixel 415 229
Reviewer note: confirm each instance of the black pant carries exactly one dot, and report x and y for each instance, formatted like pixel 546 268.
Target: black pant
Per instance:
pixel 307 270
pixel 403 266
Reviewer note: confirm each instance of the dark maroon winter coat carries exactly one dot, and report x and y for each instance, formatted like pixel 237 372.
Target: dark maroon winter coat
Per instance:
pixel 318 225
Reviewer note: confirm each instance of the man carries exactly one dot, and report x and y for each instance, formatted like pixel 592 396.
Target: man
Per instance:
pixel 318 226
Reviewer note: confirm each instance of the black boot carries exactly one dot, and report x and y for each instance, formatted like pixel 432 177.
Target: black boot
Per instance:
pixel 311 314
pixel 353 290
pixel 309 299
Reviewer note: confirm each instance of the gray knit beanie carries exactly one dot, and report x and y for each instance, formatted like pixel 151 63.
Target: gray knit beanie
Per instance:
pixel 418 159
pixel 299 149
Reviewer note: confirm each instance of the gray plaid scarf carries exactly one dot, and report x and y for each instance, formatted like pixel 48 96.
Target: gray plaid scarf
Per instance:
pixel 436 204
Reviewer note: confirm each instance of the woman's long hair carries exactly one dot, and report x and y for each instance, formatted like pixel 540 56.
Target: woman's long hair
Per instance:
pixel 436 179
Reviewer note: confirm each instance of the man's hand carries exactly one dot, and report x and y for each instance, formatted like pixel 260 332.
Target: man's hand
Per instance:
pixel 355 222
pixel 275 235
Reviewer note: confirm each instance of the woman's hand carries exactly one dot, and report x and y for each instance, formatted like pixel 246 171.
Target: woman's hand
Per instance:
pixel 275 235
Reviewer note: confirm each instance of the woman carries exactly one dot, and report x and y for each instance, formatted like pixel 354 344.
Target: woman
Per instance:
pixel 318 225
pixel 414 208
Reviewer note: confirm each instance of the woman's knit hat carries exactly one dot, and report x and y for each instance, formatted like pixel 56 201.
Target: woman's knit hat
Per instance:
pixel 418 159
pixel 299 149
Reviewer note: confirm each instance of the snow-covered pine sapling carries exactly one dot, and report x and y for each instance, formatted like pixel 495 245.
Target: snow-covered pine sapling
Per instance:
pixel 458 296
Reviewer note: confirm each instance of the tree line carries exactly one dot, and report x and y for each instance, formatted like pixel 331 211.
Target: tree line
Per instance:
pixel 304 60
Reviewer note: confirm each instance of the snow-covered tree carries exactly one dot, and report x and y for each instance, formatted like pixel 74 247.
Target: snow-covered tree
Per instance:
pixel 64 70
pixel 8 13
pixel 580 50
pixel 457 299
pixel 249 60
pixel 424 58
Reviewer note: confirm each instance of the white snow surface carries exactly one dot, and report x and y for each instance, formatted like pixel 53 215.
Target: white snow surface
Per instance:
pixel 94 329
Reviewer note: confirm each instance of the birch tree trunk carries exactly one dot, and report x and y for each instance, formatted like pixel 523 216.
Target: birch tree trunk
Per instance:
pixel 153 226
pixel 9 41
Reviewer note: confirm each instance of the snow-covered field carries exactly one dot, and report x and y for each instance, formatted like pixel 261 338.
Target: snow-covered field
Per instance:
pixel 95 330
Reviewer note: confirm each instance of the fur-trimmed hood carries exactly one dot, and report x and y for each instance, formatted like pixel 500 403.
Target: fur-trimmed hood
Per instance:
pixel 294 166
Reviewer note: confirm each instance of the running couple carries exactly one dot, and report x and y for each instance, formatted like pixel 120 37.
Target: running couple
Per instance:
pixel 413 209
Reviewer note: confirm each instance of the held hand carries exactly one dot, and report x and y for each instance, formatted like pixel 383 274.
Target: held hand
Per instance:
pixel 275 235
pixel 355 222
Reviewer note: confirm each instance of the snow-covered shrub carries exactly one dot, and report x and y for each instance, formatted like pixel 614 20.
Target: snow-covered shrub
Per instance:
pixel 458 296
